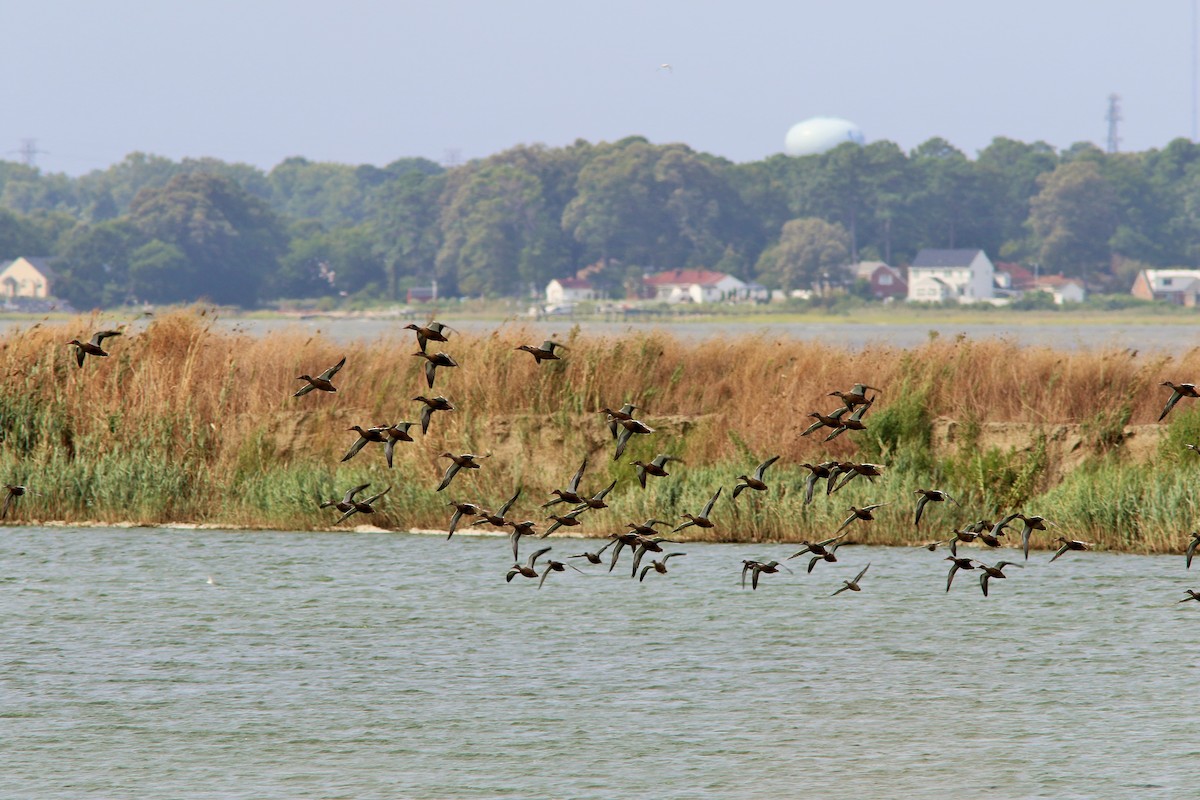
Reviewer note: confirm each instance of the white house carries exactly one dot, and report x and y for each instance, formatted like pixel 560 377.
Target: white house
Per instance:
pixel 965 276
pixel 1178 286
pixel 1063 290
pixel 699 286
pixel 26 277
pixel 570 290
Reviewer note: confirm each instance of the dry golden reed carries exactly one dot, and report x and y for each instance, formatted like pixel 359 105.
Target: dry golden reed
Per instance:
pixel 190 421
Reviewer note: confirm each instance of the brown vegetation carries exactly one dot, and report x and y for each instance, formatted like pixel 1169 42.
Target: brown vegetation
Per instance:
pixel 197 424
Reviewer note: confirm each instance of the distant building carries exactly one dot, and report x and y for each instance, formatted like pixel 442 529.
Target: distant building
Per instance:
pixel 964 276
pixel 570 290
pixel 1012 279
pixel 421 294
pixel 1177 286
pixel 1062 289
pixel 885 281
pixel 26 277
pixel 700 286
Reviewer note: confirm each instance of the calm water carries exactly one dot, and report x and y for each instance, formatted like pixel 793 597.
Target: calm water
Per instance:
pixel 357 665
pixel 1173 339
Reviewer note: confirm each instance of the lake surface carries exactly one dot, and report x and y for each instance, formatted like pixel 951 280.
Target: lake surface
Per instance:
pixel 389 665
pixel 1175 339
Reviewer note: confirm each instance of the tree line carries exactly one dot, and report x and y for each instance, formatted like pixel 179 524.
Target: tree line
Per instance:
pixel 150 229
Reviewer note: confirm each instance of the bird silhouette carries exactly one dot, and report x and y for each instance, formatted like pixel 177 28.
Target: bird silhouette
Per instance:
pixel 458 462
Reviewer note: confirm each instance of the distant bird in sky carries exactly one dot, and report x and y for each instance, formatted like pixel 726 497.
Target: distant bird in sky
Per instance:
pixel 321 382
pixel 93 347
pixel 665 67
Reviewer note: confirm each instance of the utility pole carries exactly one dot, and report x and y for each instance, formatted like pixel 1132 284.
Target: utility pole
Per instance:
pixel 1113 116
pixel 29 152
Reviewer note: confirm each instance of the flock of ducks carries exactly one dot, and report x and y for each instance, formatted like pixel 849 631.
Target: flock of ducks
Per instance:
pixel 642 538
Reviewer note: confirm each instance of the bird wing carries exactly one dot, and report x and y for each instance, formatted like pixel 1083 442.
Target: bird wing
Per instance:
pixel 354 448
pixel 454 522
pixel 451 471
pixel 8 501
pixel 950 577
pixel 100 336
pixel 839 591
pixel 641 474
pixel 329 373
pixel 574 484
pixel 858 577
pixel 622 440
pixel 79 355
pixel 983 582
pixel 1191 550
pixel 924 501
pixel 504 508
pixel 430 371
pixel 375 497
pixel 601 495
pixel 350 494
pixel 758 473
pixel 389 447
pixel 671 555
pixel 537 554
pixel 809 485
pixel 426 413
pixel 1175 395
pixel 709 506
pixel 545 572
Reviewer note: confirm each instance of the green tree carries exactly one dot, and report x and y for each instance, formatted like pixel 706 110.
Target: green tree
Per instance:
pixel 161 273
pixel 807 251
pixel 1073 217
pixel 230 239
pixel 93 264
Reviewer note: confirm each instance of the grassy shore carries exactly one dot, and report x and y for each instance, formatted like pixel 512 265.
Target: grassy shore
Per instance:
pixel 189 423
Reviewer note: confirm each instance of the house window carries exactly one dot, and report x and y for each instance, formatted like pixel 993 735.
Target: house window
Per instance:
pixel 885 280
pixel 1166 281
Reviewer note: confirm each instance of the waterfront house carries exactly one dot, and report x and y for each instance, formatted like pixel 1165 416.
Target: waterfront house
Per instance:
pixel 26 277
pixel 570 290
pixel 963 276
pixel 1176 286
pixel 885 281
pixel 699 286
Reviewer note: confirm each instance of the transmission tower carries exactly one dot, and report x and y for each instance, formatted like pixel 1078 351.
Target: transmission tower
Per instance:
pixel 1113 116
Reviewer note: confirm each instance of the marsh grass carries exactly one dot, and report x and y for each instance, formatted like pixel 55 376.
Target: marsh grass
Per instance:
pixel 186 422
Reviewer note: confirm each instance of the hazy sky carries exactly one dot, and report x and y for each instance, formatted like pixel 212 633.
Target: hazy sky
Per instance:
pixel 257 81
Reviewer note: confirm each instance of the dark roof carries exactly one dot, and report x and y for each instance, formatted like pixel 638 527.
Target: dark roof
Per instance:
pixel 944 258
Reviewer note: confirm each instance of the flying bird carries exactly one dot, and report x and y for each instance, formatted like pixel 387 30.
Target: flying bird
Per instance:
pixel 438 403
pixel 459 510
pixel 1070 544
pixel 853 585
pixel 432 362
pixel 373 434
pixel 433 332
pixel 321 382
pixel 15 491
pixel 1178 392
pixel 528 568
pixel 658 565
pixel 996 571
pixel 93 347
pixel 755 483
pixel 463 461
pixel 929 496
pixel 655 467
pixel 701 521
pixel 547 352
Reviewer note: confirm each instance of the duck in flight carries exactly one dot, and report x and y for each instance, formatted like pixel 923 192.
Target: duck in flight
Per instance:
pixel 93 347
pixel 547 352
pixel 853 585
pixel 755 483
pixel 322 381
